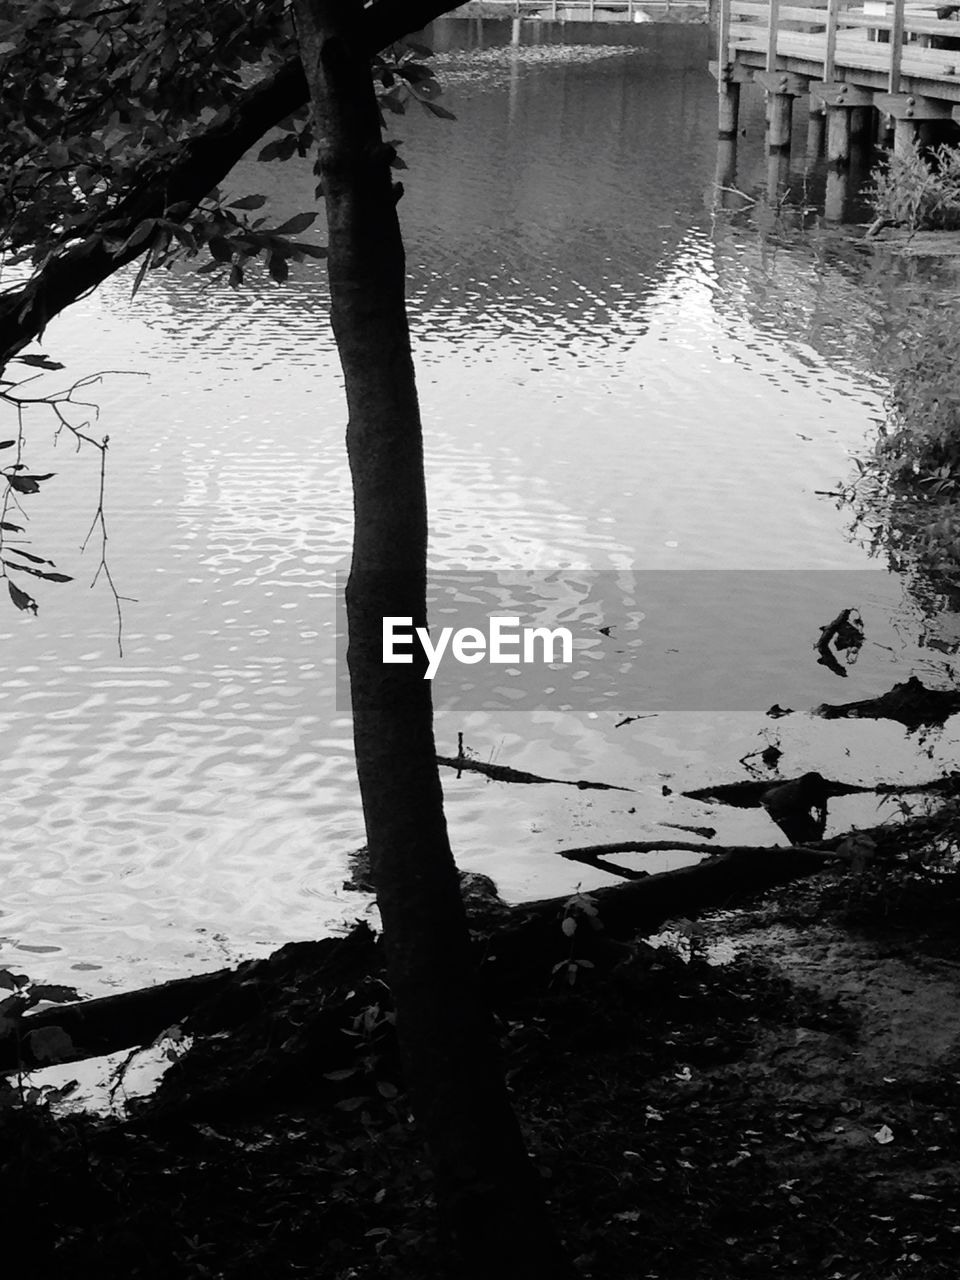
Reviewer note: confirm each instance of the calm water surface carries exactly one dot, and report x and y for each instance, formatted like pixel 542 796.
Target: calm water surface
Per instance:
pixel 614 377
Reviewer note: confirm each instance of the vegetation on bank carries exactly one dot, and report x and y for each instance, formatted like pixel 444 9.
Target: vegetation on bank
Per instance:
pixel 919 190
pixel 908 490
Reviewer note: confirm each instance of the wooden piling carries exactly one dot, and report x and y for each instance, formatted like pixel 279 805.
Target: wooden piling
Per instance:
pixel 837 195
pixel 728 101
pixel 780 121
pixel 838 137
pixel 863 121
pixel 904 136
pixel 816 132
pixel 778 173
pixel 728 89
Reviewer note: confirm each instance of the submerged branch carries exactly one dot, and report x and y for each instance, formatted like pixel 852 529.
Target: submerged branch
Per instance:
pixel 503 773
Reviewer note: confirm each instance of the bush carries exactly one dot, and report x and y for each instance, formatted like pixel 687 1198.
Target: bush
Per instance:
pixel 907 494
pixel 919 190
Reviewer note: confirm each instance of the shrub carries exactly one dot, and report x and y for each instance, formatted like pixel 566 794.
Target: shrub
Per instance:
pixel 919 190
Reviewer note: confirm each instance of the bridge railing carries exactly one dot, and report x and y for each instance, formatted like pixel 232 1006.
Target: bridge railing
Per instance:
pixel 592 10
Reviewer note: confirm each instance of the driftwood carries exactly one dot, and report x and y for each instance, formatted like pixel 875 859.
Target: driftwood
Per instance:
pixel 586 852
pixel 131 1018
pixel 517 944
pixel 910 703
pixel 503 773
pixel 516 941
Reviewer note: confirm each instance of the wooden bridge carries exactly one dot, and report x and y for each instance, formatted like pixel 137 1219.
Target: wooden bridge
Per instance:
pixel 596 10
pixel 858 63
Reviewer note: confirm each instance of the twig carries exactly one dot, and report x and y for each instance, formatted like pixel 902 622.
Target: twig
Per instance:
pixel 55 400
pixel 503 773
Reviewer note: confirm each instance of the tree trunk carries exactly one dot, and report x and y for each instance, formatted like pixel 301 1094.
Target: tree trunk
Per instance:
pixel 488 1193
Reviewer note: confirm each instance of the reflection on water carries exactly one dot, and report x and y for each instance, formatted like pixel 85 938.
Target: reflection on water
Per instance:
pixel 612 379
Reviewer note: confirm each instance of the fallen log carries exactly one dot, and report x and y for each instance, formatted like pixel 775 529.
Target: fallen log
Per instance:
pixel 127 1019
pixel 589 851
pixel 519 944
pixel 533 934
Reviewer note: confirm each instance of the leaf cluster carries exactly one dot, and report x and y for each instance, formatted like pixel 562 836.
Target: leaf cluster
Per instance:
pixel 97 99
pixel 94 96
pixel 226 235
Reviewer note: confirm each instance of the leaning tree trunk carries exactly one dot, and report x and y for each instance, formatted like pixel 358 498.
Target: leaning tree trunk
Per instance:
pixel 489 1196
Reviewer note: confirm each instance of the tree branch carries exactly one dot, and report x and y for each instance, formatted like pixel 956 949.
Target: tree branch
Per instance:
pixel 200 165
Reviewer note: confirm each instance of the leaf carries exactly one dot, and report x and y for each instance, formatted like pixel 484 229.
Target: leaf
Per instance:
pixel 50 1044
pixel 437 110
pixel 569 926
pixel 311 250
pixel 21 599
pixel 883 1135
pixel 248 202
pixel 38 573
pixel 343 1074
pixel 7 444
pixel 278 268
pixel 29 555
pixel 351 1104
pixel 58 156
pixel 28 484
pixel 272 150
pixel 293 226
pixel 386 1089
pixel 141 232
pixel 40 362
pixel 11 528
pixel 8 981
pixel 141 272
pixel 220 249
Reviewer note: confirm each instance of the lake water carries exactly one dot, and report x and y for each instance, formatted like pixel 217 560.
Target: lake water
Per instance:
pixel 616 376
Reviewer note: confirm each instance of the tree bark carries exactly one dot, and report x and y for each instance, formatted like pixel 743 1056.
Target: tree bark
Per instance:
pixel 487 1190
